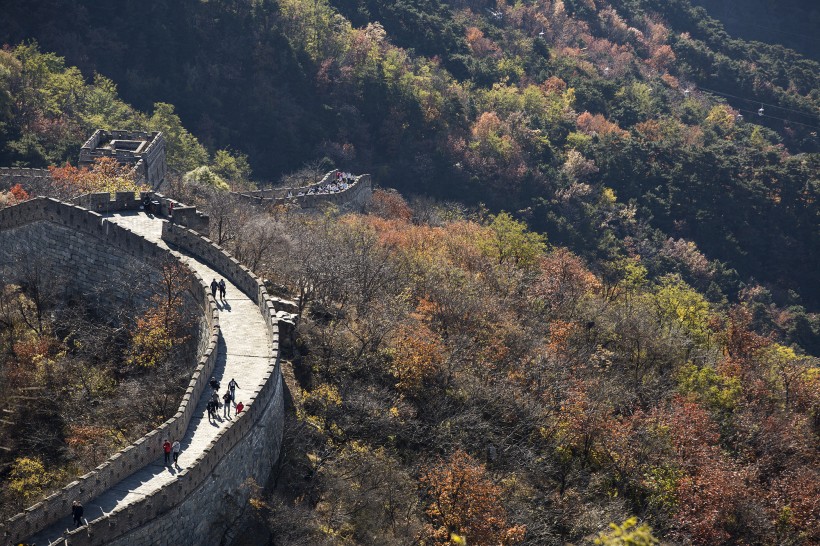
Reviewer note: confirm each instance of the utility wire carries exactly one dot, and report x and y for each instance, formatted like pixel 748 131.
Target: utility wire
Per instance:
pixel 803 113
pixel 753 114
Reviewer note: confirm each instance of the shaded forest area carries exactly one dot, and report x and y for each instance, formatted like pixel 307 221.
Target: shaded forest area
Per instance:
pixel 546 108
pixel 791 23
pixel 463 375
pixel 460 379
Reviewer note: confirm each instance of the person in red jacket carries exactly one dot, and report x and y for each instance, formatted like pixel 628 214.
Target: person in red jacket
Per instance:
pixel 167 448
pixel 239 407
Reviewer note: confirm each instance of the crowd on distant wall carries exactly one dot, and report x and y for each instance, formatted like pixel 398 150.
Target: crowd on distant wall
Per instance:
pixel 342 182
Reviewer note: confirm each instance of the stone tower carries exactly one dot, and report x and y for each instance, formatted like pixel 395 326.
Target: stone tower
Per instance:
pixel 145 151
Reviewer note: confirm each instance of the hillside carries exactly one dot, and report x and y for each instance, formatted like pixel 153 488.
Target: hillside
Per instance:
pixel 791 23
pixel 537 107
pixel 637 336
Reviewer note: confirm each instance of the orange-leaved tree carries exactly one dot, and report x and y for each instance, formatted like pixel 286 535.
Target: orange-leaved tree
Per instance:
pixel 162 327
pixel 466 504
pixel 105 175
pixel 16 194
pixel 418 355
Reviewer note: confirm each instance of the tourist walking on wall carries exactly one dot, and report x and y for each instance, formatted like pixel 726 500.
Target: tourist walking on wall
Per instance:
pixel 175 449
pixel 214 384
pixel 239 407
pixel 222 289
pixel 166 447
pixel 226 412
pixel 77 513
pixel 211 410
pixel 216 404
pixel 214 286
pixel 232 386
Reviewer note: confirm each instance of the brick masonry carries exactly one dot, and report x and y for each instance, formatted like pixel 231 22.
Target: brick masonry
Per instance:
pixel 353 198
pixel 197 506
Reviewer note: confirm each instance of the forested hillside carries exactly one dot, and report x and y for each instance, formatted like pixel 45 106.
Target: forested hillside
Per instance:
pixel 792 23
pixel 586 117
pixel 636 336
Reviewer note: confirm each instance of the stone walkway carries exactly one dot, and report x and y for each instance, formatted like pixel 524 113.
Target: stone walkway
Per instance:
pixel 243 354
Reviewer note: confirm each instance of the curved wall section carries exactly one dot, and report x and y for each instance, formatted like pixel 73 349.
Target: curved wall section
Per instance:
pixel 88 252
pixel 192 508
pixel 353 198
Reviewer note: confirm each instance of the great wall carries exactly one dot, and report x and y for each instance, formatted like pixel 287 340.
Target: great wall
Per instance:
pixel 93 246
pixel 353 197
pixel 187 506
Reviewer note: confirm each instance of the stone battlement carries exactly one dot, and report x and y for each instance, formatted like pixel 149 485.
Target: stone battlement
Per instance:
pixel 31 179
pixel 184 215
pixel 353 198
pixel 145 151
pixel 13 223
pixel 234 454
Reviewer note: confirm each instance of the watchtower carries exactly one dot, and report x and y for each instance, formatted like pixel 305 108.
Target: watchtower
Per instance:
pixel 145 151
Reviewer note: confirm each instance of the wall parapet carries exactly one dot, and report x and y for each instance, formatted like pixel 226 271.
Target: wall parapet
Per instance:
pixel 283 191
pixel 185 215
pixel 24 172
pixel 29 178
pixel 114 525
pixel 148 448
pixel 356 195
pixel 238 274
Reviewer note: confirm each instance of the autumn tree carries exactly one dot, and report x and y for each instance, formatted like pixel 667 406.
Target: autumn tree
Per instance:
pixel 563 282
pixel 28 479
pixel 465 502
pixel 105 175
pixel 714 491
pixel 512 243
pixel 15 194
pixel 629 533
pixel 417 358
pixel 162 326
pixel 389 204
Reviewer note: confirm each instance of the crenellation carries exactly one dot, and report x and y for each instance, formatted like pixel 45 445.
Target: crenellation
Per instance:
pixel 149 521
pixel 145 152
pixel 354 197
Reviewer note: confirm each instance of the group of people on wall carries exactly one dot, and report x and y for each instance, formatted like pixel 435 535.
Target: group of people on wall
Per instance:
pixel 173 450
pixel 228 399
pixel 343 181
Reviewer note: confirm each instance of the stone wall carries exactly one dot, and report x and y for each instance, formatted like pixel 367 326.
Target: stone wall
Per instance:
pixel 273 193
pixel 184 215
pixel 28 178
pixel 81 250
pixel 192 509
pixel 353 198
pixel 149 164
pixel 210 509
pixel 78 241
